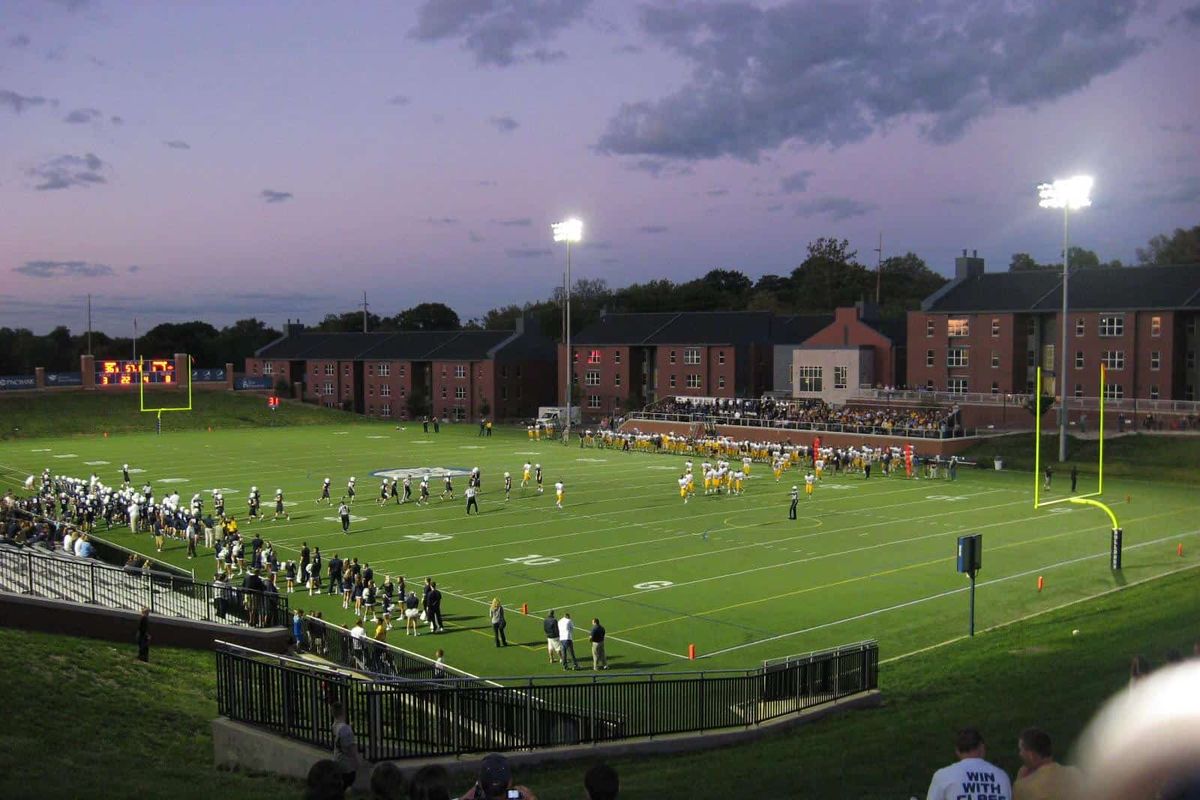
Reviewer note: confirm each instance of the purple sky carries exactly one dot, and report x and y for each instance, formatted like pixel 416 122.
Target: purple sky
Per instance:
pixel 227 159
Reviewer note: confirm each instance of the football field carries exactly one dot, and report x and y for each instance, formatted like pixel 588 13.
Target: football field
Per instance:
pixel 730 574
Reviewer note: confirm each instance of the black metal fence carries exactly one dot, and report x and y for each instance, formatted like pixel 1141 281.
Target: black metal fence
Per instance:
pixel 364 654
pixel 404 718
pixel 80 580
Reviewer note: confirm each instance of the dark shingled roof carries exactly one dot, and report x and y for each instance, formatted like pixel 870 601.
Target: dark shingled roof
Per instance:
pixel 700 327
pixel 1173 287
pixel 387 346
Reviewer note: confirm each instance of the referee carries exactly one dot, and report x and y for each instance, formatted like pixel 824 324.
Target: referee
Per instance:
pixel 795 499
pixel 471 501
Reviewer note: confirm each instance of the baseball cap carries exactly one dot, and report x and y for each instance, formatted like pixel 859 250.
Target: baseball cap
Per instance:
pixel 494 773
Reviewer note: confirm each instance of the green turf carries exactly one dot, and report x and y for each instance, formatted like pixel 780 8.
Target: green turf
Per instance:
pixel 26 416
pixel 867 559
pixel 1170 457
pixel 89 717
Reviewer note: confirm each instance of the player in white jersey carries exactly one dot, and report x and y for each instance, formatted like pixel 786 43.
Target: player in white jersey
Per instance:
pixel 558 494
pixel 738 477
pixel 526 474
pixel 809 481
pixel 710 480
pixel 683 484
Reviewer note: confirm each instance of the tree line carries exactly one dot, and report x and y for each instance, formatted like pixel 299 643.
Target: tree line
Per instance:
pixel 830 275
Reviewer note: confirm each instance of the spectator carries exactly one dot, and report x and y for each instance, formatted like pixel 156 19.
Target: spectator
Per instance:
pixel 358 634
pixel 433 608
pixel 439 664
pixel 143 636
pixel 550 626
pixel 970 776
pixel 298 629
pixel 495 781
pixel 601 782
pixel 596 636
pixel 430 782
pixel 345 751
pixel 387 782
pixel 566 640
pixel 324 781
pixel 498 623
pixel 1040 776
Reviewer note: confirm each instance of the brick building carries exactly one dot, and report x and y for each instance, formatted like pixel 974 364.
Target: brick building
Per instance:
pixel 988 332
pixel 461 374
pixel 857 348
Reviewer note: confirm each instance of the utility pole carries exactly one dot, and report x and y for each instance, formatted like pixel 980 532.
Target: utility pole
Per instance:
pixel 89 342
pixel 878 268
pixel 364 308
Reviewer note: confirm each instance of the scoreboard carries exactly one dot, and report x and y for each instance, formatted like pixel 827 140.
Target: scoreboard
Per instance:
pixel 125 373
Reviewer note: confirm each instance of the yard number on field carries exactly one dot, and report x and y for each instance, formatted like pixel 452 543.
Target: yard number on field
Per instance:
pixel 533 560
pixel 949 498
pixel 653 585
pixel 429 537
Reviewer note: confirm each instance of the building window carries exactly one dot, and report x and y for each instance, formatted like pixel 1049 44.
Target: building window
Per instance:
pixel 592 377
pixel 929 385
pixel 385 410
pixel 1190 359
pixel 574 355
pixel 460 393
pixel 1153 392
pixel 957 327
pixel 672 382
pixel 995 327
pixel 1080 327
pixel 1112 325
pixel 1156 326
pixel 691 356
pixel 957 386
pixel 1155 360
pixel 594 357
pixel 995 360
pixel 693 381
pixel 327 389
pixel 1191 327
pixel 616 356
pixel 929 358
pixel 1031 358
pixel 460 371
pixel 504 372
pixel 1030 326
pixel 1078 359
pixel 503 392
pixel 443 391
pixel 385 370
pixel 721 382
pixel 1114 391
pixel 720 356
pixel 1028 387
pixel 460 413
pixel 617 380
pixel 370 391
pixel 672 356
pixel 995 387
pixel 808 379
pixel 1079 390
pixel 1113 359
pixel 956 357
pixel 1189 392
pixel 385 390
pixel 329 369
pixel 593 401
pixel 928 326
pixel 346 370
pixel 268 368
pixel 839 377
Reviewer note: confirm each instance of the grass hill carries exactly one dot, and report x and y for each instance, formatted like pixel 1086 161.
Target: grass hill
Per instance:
pixel 97 413
pixel 132 730
pixel 1135 455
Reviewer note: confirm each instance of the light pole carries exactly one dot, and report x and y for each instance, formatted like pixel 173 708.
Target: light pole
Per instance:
pixel 571 232
pixel 1069 194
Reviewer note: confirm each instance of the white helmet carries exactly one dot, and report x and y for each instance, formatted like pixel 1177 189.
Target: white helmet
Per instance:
pixel 279 491
pixel 352 479
pixel 254 488
pixel 506 474
pixel 124 466
pixel 538 466
pixel 796 487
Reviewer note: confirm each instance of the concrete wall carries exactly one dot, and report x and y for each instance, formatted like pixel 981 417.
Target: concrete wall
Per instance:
pixel 858 361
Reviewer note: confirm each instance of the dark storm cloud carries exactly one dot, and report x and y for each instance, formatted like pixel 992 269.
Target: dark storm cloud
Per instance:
pixel 832 72
pixel 64 269
pixel 795 183
pixel 653 229
pixel 660 168
pixel 519 222
pixel 20 102
pixel 528 252
pixel 67 171
pixel 504 124
pixel 1181 191
pixel 1191 15
pixel 82 116
pixel 178 144
pixel 499 33
pixel 272 196
pixel 837 208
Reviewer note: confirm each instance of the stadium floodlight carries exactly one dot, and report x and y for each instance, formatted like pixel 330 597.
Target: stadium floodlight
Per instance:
pixel 1069 194
pixel 570 230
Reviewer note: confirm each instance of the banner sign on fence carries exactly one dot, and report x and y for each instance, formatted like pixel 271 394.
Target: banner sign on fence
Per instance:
pixel 253 382
pixel 210 375
pixel 64 379
pixel 18 382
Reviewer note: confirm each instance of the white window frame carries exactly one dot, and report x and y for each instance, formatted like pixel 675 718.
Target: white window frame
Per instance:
pixel 1114 391
pixel 1111 326
pixel 957 357
pixel 995 360
pixel 1155 360
pixel 995 327
pixel 591 377
pixel 1079 359
pixel 957 385
pixel 1156 326
pixel 958 327
pixel 385 390
pixel 930 358
pixel 460 371
pixel 839 377
pixel 691 356
pixel 692 380
pixel 1113 360
pixel 460 393
pixel 720 356
pixel 593 401
pixel 810 379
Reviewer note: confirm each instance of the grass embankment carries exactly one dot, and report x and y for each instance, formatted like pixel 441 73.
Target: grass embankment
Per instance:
pixel 1173 458
pixel 117 411
pixel 94 721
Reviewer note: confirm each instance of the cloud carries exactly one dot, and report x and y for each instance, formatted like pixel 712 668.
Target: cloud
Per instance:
pixel 178 144
pixel 474 237
pixel 20 40
pixel 441 221
pixel 133 269
pixel 528 252
pixel 63 172
pixel 1183 127
pixel 660 168
pixel 774 207
pixel 627 50
pixel 717 192
pixel 116 120
pixel 399 100
pixel 73 5
pixel 82 116
pixel 272 196
pixel 1183 191
pixel 1191 15
pixel 499 33
pixel 796 182
pixel 20 102
pixel 64 269
pixel 602 245
pixel 519 222
pixel 486 183
pixel 833 72
pixel 837 208
pixel 504 124
pixel 653 229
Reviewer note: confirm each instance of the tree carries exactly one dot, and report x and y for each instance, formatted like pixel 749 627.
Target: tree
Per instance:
pixel 503 318
pixel 194 338
pixel 829 277
pixel 427 317
pixel 239 341
pixel 906 280
pixel 349 322
pixel 1181 247
pixel 1023 262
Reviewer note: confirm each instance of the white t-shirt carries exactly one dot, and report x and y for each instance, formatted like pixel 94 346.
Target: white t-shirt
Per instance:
pixel 970 779
pixel 566 629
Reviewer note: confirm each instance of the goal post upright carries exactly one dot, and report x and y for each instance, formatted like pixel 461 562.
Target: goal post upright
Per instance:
pixel 142 388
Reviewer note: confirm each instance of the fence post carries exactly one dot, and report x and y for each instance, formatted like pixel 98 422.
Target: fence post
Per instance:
pixel 592 708
pixel 653 720
pixel 29 572
pixel 92 582
pixel 150 588
pixel 530 735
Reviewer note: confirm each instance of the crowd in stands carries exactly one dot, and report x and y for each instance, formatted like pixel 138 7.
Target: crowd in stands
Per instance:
pixel 815 413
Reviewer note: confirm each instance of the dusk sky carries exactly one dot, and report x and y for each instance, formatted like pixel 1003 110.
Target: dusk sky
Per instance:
pixel 220 160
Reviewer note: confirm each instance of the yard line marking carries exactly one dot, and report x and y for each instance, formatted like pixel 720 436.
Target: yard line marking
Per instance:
pixel 918 601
